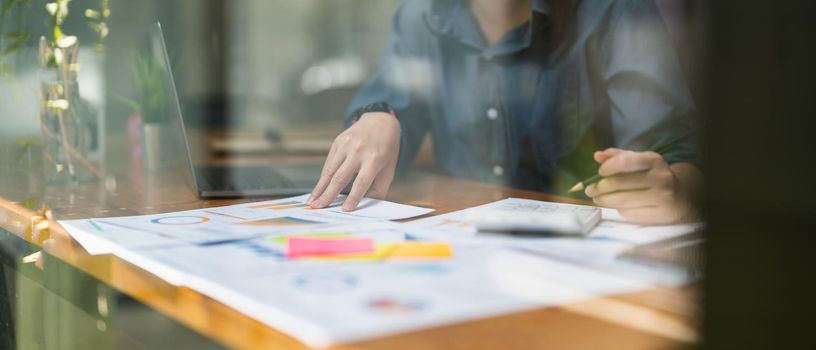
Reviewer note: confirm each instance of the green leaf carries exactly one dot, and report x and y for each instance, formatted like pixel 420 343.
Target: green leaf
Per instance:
pixel 7 7
pixel 128 102
pixel 17 35
pixel 148 80
pixel 18 40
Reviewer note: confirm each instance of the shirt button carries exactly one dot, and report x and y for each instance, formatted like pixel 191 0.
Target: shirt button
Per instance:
pixel 492 114
pixel 498 170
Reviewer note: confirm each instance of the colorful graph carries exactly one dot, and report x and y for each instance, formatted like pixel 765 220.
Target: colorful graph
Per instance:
pixel 95 225
pixel 180 220
pixel 419 250
pixel 224 215
pixel 452 223
pixel 261 250
pixel 280 205
pixel 408 251
pixel 285 239
pixel 389 305
pixel 310 246
pixel 345 247
pixel 281 221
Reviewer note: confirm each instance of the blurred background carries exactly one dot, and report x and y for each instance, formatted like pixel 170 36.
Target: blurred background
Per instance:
pixel 258 66
pixel 253 64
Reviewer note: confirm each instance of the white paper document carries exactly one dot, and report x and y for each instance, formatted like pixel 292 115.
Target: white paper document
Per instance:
pixel 242 221
pixel 323 302
pixel 612 236
pixel 185 265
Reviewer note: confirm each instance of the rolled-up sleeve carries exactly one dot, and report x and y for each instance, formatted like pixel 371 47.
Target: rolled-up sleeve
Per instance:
pixel 404 80
pixel 648 95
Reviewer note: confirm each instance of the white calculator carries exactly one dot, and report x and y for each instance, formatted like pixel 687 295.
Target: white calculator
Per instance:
pixel 540 218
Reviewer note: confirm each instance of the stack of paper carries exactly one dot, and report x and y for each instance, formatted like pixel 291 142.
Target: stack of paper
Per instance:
pixel 326 276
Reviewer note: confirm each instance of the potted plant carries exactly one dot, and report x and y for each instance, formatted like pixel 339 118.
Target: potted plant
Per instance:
pixel 148 125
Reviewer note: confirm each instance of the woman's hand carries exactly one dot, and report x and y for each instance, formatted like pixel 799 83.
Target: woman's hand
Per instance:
pixel 368 149
pixel 644 188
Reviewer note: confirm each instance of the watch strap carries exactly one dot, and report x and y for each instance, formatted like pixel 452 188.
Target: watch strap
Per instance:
pixel 381 106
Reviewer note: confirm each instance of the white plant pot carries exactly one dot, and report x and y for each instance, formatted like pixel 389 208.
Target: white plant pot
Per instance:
pixel 156 144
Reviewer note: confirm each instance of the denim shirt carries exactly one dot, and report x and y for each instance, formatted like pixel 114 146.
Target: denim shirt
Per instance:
pixel 528 112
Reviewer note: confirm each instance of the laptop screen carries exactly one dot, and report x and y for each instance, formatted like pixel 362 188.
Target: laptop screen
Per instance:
pixel 153 65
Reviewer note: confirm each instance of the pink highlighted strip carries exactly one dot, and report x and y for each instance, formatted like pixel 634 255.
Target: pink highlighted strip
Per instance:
pixel 310 246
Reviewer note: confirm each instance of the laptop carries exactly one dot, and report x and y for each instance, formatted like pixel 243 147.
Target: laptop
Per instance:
pixel 227 181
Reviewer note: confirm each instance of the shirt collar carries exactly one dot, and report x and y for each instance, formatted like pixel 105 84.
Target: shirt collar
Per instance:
pixel 453 19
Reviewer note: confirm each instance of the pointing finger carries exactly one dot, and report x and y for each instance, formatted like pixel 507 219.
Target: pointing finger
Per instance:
pixel 361 185
pixel 337 182
pixel 333 162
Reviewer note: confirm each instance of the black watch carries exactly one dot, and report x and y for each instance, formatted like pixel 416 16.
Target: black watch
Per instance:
pixel 374 107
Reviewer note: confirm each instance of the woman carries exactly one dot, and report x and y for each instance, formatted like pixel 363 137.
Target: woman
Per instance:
pixel 514 92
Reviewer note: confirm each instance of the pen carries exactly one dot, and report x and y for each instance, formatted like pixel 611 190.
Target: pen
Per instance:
pixel 659 147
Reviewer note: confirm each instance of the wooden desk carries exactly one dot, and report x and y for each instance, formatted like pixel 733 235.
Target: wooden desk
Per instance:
pixel 654 319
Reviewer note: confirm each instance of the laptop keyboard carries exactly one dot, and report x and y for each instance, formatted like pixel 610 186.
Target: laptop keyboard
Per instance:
pixel 240 178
